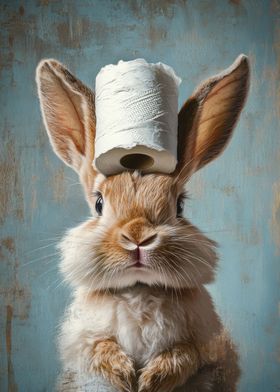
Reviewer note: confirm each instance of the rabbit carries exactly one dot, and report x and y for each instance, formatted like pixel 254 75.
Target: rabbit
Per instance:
pixel 141 316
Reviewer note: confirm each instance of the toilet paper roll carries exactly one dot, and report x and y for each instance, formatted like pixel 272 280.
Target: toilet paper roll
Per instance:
pixel 136 107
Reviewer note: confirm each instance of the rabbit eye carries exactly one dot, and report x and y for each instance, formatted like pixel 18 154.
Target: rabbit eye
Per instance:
pixel 99 205
pixel 180 206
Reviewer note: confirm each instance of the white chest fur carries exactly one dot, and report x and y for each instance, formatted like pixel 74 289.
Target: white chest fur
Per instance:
pixel 146 324
pixel 143 321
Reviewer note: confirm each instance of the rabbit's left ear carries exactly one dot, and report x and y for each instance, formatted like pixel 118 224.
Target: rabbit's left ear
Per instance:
pixel 207 119
pixel 67 107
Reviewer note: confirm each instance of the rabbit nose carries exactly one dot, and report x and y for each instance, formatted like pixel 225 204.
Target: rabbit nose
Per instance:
pixel 142 243
pixel 148 240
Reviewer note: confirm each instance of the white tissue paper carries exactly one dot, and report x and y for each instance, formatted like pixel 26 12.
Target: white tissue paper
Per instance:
pixel 136 107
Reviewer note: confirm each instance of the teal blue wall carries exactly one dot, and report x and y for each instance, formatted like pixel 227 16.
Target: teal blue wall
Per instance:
pixel 235 200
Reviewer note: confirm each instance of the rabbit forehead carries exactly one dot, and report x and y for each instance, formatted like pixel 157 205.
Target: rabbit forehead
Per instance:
pixel 132 187
pixel 133 191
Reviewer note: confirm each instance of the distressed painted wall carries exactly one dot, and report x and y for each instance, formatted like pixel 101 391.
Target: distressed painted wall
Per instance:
pixel 235 200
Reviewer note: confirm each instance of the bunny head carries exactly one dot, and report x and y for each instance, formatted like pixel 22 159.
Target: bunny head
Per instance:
pixel 137 232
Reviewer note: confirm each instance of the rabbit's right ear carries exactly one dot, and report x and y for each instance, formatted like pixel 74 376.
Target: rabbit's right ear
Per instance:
pixel 67 107
pixel 207 119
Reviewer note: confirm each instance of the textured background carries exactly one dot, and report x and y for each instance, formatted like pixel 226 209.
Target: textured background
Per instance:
pixel 235 200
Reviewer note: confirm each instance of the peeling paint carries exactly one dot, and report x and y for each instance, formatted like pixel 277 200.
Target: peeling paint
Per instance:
pixel 21 10
pixel 228 190
pixel 20 29
pixel 12 386
pixel 20 298
pixel 156 34
pixel 11 195
pixel 14 294
pixel 71 34
pixel 8 243
pixel 34 202
pixel 57 185
pixel 275 221
pixel 76 33
pixel 154 8
pixel 251 237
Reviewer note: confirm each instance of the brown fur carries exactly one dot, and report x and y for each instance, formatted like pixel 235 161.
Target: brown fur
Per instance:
pixel 169 369
pixel 109 360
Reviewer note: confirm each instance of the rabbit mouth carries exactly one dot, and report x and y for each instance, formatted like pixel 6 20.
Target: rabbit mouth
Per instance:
pixel 138 256
pixel 139 260
pixel 138 264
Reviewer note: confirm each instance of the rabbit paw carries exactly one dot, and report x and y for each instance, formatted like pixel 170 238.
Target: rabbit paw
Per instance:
pixel 168 370
pixel 155 378
pixel 113 364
